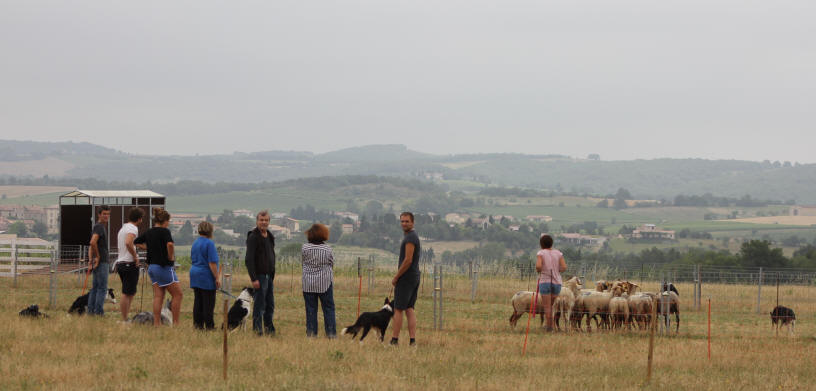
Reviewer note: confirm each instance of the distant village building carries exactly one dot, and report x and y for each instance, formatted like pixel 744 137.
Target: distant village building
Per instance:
pixel 348 215
pixel 279 231
pixel 52 218
pixel 515 228
pixel 277 215
pixel 650 231
pixel 8 211
pixel 581 240
pixel 481 222
pixel 803 210
pixel 455 218
pixel 231 233
pixel 434 176
pixel 243 212
pixel 177 220
pixel 348 228
pixel 539 218
pixel 292 224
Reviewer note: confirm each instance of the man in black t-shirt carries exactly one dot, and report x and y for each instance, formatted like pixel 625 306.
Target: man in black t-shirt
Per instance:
pixel 406 282
pixel 99 265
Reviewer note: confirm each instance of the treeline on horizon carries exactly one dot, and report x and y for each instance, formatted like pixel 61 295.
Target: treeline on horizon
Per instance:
pixel 328 183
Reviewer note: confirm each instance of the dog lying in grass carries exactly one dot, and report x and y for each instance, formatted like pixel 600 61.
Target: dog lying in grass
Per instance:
pixel 33 311
pixel 146 317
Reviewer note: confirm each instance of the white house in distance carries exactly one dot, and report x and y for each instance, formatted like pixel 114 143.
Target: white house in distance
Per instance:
pixel 539 218
pixel 803 210
pixel 650 231
pixel 455 218
pixel 243 212
pixel 581 240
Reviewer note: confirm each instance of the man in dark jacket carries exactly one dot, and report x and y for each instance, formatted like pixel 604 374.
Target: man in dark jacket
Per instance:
pixel 260 263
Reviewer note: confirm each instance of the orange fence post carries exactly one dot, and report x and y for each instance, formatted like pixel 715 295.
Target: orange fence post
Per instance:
pixel 709 328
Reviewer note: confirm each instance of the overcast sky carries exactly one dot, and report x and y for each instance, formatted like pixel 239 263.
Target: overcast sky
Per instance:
pixel 624 79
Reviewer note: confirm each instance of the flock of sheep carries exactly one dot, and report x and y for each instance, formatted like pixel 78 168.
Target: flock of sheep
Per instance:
pixel 614 305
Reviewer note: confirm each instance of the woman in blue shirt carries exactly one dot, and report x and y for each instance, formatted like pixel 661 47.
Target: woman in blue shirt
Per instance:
pixel 204 277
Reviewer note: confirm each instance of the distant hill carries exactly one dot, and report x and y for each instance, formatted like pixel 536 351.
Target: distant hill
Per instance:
pixel 645 179
pixel 373 153
pixel 11 150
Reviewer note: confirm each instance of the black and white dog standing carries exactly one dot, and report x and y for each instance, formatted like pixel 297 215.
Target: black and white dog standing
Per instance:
pixel 368 320
pixel 241 309
pixel 783 316
pixel 80 305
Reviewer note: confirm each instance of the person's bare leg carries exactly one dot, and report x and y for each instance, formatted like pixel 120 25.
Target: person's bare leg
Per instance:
pixel 124 306
pixel 175 302
pixel 395 331
pixel 550 315
pixel 412 322
pixel 158 298
pixel 548 311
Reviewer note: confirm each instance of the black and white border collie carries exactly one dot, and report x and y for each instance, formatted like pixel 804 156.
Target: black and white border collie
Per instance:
pixel 378 320
pixel 241 310
pixel 80 305
pixel 783 316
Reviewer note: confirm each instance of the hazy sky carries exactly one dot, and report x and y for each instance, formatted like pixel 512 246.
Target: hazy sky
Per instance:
pixel 625 79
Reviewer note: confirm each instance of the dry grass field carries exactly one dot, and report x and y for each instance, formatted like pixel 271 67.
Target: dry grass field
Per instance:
pixel 784 220
pixel 20 191
pixel 476 350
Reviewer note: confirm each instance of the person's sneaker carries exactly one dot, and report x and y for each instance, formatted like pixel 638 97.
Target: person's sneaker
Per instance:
pixel 394 342
pixel 412 343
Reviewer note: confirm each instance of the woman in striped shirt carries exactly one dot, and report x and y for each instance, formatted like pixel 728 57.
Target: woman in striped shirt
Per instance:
pixel 318 277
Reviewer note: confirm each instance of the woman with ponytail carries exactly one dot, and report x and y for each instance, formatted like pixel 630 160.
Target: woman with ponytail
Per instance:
pixel 160 257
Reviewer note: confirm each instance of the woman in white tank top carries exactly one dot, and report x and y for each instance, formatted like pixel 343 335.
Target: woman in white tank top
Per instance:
pixel 549 264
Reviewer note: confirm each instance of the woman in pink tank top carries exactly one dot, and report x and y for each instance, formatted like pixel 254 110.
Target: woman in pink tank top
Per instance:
pixel 549 264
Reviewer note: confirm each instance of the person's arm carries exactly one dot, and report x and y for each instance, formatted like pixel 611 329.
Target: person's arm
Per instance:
pixel 131 248
pixel 539 263
pixel 406 263
pixel 562 267
pixel 171 248
pixel 140 242
pixel 214 264
pixel 171 252
pixel 94 250
pixel 249 261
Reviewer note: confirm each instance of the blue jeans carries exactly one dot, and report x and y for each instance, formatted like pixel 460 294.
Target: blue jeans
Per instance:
pixel 264 306
pixel 547 288
pixel 327 303
pixel 99 289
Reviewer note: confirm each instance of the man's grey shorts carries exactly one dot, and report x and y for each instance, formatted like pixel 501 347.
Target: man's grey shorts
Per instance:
pixel 405 293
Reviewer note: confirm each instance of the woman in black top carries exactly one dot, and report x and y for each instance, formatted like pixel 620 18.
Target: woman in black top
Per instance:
pixel 160 256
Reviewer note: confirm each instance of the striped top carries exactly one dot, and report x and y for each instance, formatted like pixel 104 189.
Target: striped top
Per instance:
pixel 318 262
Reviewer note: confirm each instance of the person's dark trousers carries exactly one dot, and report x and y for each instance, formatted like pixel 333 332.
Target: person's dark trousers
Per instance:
pixel 203 307
pixel 99 289
pixel 264 307
pixel 327 303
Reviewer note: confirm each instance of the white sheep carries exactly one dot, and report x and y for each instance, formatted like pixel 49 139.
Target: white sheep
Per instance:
pixel 618 308
pixel 640 309
pixel 565 301
pixel 521 302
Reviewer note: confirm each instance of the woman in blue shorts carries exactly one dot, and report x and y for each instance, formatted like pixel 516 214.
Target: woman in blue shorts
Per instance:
pixel 549 264
pixel 160 257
